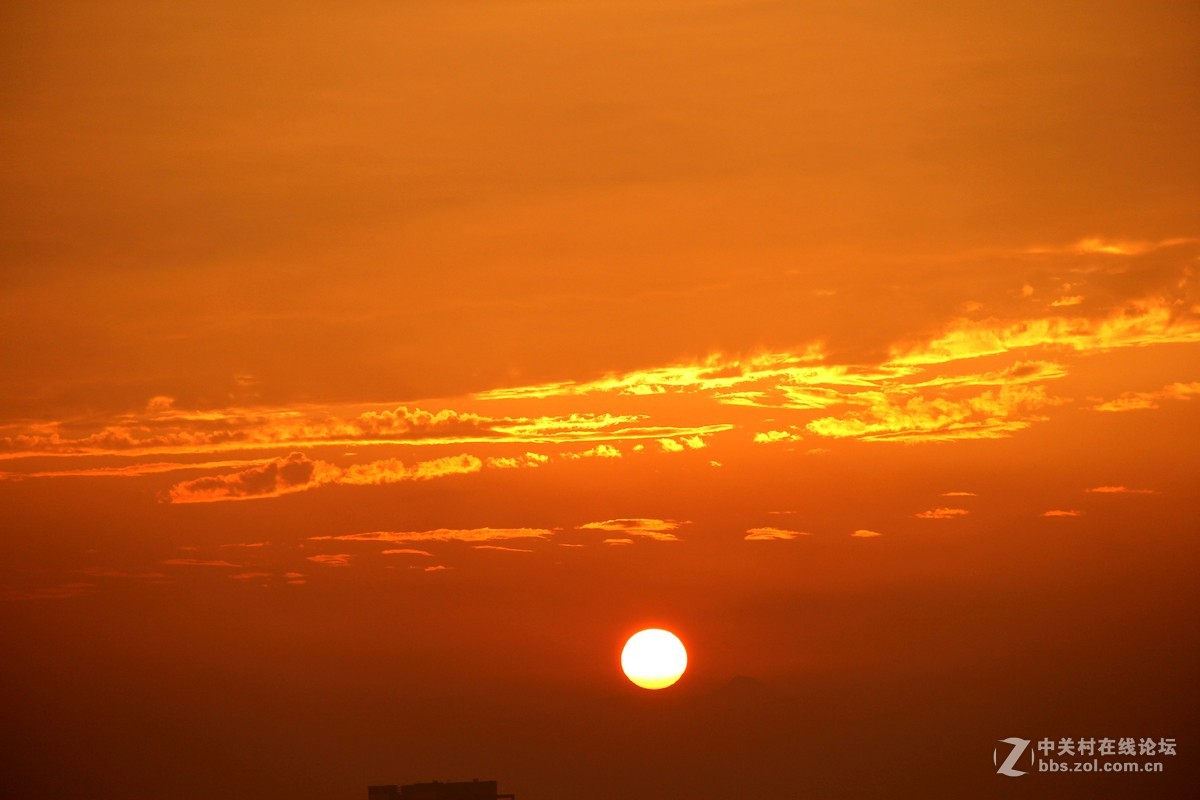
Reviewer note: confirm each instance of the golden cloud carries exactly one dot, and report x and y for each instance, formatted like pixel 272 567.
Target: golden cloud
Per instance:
pixel 599 451
pixel 1140 323
pixel 657 529
pixel 991 414
pixel 1138 401
pixel 441 535
pixel 529 460
pixel 772 534
pixel 298 473
pixel 942 513
pixel 771 437
pixel 332 559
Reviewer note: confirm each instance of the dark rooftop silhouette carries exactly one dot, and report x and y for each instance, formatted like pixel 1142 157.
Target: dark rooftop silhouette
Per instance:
pixel 437 790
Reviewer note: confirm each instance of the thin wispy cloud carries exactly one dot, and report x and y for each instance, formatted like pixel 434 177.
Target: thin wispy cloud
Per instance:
pixel 249 576
pixel 599 451
pixel 1142 401
pixel 992 414
pixel 441 535
pixel 157 433
pixel 658 529
pixel 332 559
pixel 528 460
pixel 772 534
pixel 298 473
pixel 201 562
pixel 942 513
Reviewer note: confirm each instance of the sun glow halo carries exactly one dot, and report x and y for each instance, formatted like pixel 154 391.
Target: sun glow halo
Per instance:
pixel 654 658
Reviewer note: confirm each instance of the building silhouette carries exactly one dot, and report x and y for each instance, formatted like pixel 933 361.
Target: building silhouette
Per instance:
pixel 438 790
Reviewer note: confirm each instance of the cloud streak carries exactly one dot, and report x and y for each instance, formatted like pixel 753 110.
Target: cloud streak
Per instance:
pixel 298 473
pixel 660 530
pixel 1141 401
pixel 441 535
pixel 942 513
pixel 772 534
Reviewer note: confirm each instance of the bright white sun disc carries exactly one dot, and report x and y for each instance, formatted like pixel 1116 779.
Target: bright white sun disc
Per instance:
pixel 654 658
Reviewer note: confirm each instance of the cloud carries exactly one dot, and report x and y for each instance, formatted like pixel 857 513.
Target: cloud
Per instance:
pixel 863 533
pixel 246 576
pixel 502 548
pixel 1059 512
pixel 1097 245
pixel 159 403
pixel 715 372
pixel 1137 401
pixel 442 535
pixel 297 473
pixel 332 559
pixel 1138 323
pixel 171 431
pixel 771 437
pixel 406 551
pixel 1066 302
pixel 528 460
pixel 618 541
pixel 1019 372
pixel 200 562
pixel 772 534
pixel 135 470
pixel 599 451
pixel 959 494
pixel 292 473
pixel 991 414
pixel 942 513
pixel 436 568
pixel 1120 490
pixel 683 443
pixel 418 424
pixel 657 529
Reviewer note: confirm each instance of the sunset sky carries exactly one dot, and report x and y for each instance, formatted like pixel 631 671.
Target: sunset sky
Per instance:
pixel 370 371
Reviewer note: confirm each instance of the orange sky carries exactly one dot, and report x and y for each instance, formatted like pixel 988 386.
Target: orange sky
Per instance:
pixel 370 371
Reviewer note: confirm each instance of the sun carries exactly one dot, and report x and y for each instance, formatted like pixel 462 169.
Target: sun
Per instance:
pixel 654 658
